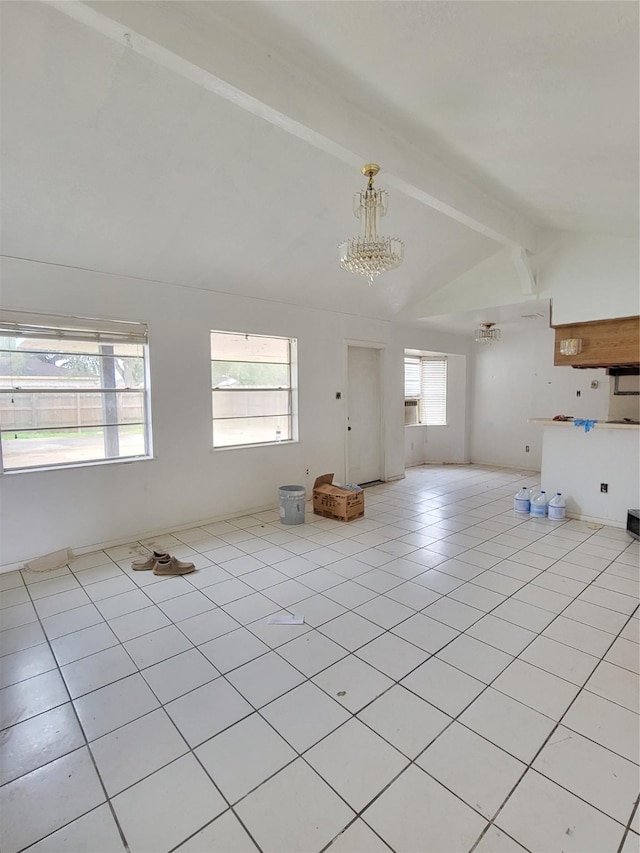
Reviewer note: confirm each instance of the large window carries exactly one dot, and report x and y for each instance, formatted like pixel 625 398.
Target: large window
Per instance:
pixel 71 391
pixel 425 390
pixel 253 382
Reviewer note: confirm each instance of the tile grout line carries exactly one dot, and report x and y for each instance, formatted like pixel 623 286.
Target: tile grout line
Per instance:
pixel 529 766
pixel 628 829
pixel 456 719
pixel 350 610
pixel 85 746
pixel 390 630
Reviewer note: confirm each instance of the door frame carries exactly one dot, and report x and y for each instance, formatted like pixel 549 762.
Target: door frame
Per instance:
pixel 382 356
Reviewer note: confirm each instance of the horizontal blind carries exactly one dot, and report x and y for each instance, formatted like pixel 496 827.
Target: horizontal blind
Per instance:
pixel 433 398
pixel 20 324
pixel 411 377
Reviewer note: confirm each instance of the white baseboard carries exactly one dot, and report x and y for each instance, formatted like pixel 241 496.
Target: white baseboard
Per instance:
pixel 601 522
pixel 508 467
pixel 112 543
pixel 79 550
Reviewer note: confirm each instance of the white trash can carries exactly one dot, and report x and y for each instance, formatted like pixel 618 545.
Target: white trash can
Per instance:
pixel 292 500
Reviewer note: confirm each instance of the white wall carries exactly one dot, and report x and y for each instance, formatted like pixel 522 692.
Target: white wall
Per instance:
pixel 415 445
pixel 590 277
pixel 576 463
pixel 187 481
pixel 515 380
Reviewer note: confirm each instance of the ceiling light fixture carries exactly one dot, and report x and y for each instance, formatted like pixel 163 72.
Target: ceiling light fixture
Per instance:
pixel 571 346
pixel 486 334
pixel 369 255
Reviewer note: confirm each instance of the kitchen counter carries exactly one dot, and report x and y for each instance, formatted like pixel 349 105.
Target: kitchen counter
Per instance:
pixel 597 472
pixel 597 424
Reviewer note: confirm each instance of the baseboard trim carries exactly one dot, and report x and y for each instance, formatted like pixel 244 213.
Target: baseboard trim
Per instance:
pixel 112 543
pixel 599 522
pixel 79 550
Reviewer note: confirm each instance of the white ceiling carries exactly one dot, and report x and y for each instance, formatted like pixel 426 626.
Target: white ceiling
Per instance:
pixel 218 144
pixel 537 102
pixel 531 313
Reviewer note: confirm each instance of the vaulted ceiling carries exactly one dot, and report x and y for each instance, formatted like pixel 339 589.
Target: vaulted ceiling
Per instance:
pixel 218 144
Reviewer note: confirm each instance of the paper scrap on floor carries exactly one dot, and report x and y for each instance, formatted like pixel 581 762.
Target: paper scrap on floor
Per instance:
pixel 285 619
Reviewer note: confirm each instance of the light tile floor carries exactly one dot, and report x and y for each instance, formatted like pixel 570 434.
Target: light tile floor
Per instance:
pixel 466 679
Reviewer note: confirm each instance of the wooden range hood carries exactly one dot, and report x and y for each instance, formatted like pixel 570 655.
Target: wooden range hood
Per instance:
pixel 612 344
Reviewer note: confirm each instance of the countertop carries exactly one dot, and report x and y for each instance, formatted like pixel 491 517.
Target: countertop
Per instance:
pixel 597 424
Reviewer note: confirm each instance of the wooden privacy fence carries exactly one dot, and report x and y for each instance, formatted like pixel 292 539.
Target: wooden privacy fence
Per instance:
pixel 50 410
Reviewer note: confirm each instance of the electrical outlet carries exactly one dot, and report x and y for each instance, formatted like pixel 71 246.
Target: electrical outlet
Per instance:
pixel 604 487
pixel 307 472
pixel 526 448
pixel 338 395
pixel 578 393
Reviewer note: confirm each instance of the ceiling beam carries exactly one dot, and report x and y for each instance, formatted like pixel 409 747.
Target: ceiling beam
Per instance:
pixel 522 263
pixel 213 54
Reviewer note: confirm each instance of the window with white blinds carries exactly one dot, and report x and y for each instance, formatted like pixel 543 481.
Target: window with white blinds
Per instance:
pixel 433 391
pixel 425 379
pixel 412 378
pixel 73 391
pixel 253 389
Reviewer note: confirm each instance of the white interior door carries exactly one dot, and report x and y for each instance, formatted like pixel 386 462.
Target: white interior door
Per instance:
pixel 364 436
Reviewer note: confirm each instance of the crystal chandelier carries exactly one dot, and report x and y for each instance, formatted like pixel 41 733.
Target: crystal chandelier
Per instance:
pixel 486 334
pixel 369 254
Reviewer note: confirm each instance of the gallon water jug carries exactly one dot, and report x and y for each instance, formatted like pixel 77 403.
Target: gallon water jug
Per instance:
pixel 522 501
pixel 539 504
pixel 557 507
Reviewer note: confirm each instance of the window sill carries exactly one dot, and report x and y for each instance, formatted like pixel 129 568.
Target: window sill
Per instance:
pixel 71 465
pixel 431 426
pixel 249 446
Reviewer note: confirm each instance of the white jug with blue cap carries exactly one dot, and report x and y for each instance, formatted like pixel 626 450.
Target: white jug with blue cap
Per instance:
pixel 557 507
pixel 522 501
pixel 539 505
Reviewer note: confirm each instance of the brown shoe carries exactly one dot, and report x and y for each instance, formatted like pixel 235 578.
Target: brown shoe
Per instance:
pixel 148 562
pixel 167 565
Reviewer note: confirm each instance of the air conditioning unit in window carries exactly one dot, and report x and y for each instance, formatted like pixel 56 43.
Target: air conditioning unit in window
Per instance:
pixel 410 412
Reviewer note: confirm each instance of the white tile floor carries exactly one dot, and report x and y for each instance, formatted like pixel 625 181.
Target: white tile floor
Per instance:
pixel 466 679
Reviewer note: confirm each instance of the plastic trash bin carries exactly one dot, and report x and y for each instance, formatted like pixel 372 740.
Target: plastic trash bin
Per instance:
pixel 292 504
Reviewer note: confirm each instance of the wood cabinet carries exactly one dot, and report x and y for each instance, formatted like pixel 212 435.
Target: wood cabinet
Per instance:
pixel 605 343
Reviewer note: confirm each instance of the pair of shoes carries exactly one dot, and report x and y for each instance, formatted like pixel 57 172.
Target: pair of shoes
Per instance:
pixel 162 563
